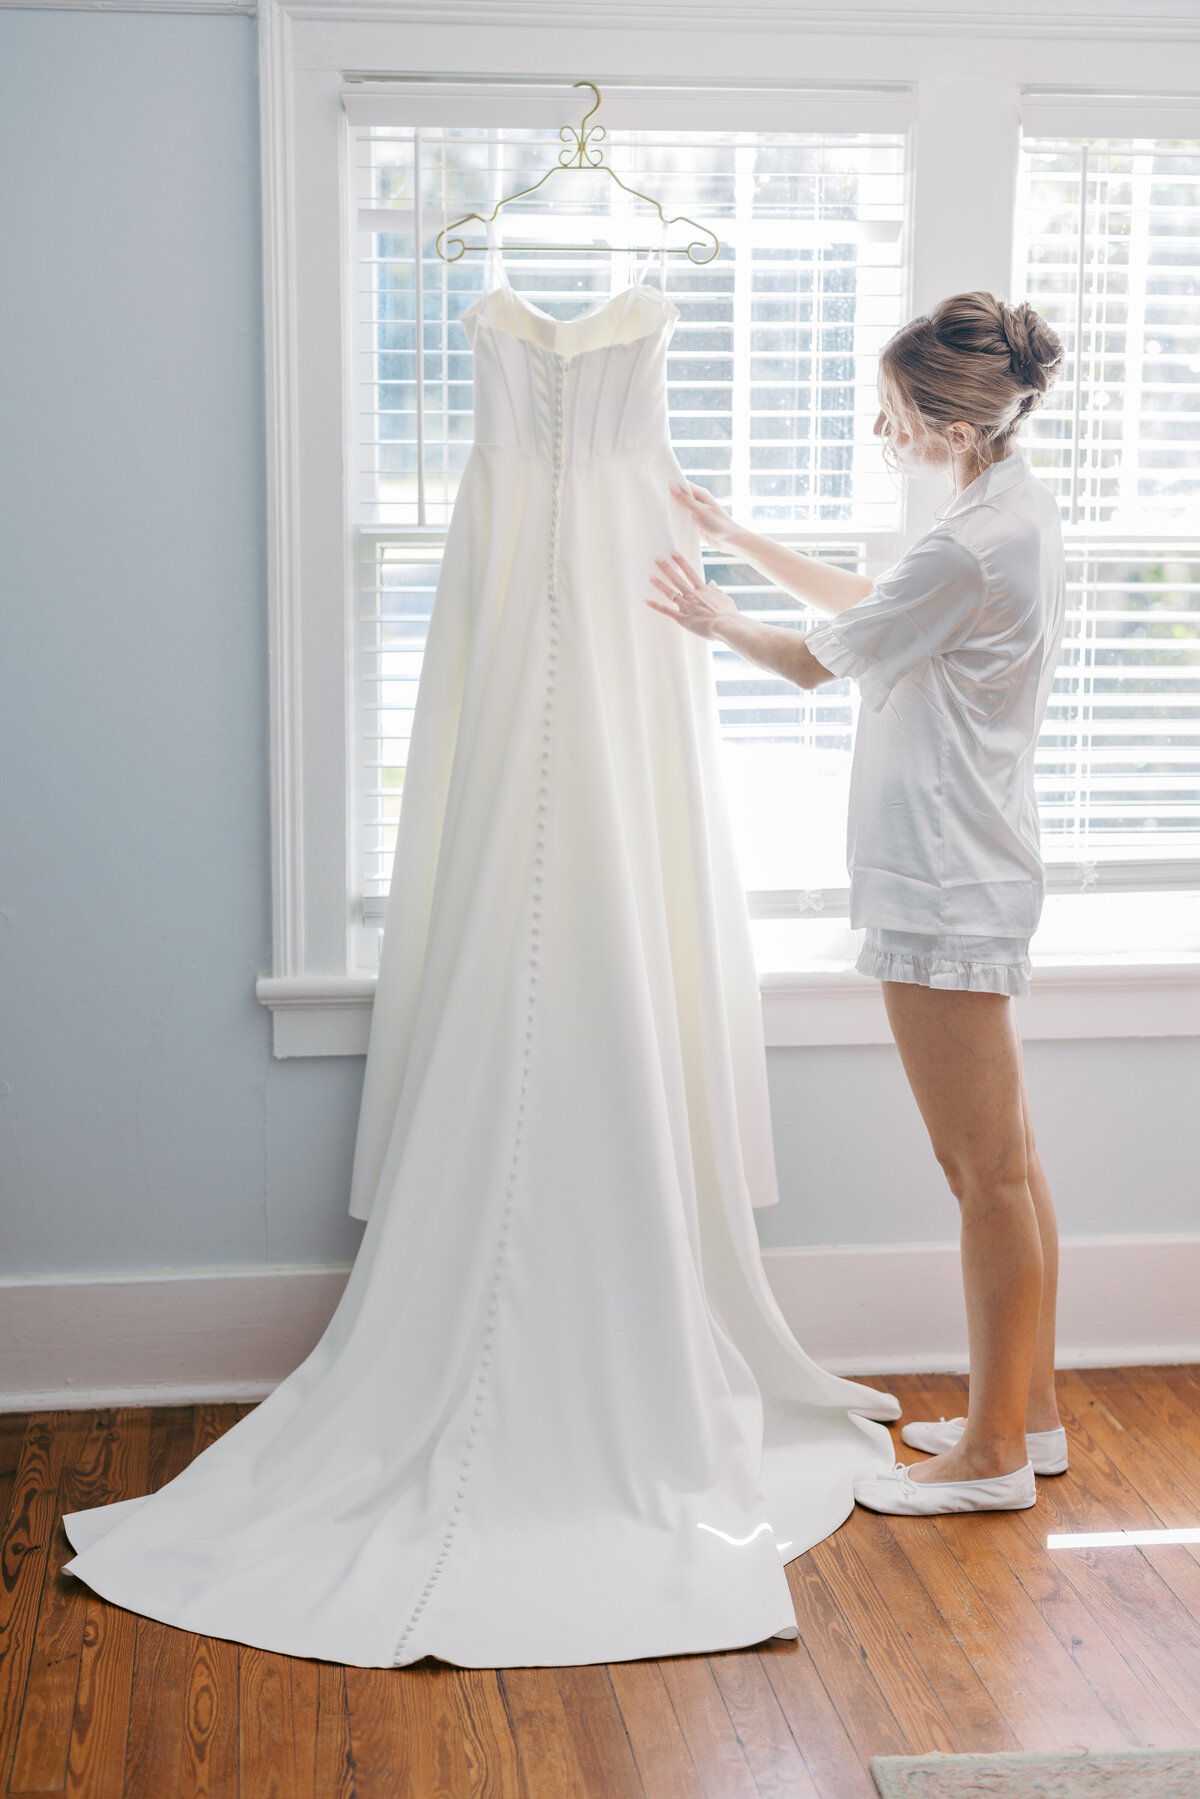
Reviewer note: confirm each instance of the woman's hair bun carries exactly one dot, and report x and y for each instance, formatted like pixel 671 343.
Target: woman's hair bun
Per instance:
pixel 1035 350
pixel 973 360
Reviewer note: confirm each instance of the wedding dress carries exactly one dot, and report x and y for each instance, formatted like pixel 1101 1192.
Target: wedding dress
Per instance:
pixel 557 1416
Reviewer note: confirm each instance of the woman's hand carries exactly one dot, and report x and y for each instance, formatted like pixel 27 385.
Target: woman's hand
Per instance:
pixel 716 526
pixel 700 606
pixel 696 604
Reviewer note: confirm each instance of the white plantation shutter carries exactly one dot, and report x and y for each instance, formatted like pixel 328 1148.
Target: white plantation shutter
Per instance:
pixel 787 755
pixel 395 585
pixel 771 373
pixel 1111 255
pixel 1119 757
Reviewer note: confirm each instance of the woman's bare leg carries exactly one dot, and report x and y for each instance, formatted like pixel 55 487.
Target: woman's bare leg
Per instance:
pixel 1042 1411
pixel 962 1056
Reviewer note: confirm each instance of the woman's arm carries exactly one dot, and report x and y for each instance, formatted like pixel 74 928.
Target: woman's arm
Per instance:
pixel 819 583
pixel 702 608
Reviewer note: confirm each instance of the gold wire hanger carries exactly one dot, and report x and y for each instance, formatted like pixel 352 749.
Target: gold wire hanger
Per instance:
pixel 581 151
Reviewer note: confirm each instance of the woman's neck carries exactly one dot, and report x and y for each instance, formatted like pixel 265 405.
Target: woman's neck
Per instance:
pixel 967 469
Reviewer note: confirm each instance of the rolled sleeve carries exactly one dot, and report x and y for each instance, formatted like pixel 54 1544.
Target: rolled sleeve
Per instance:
pixel 925 606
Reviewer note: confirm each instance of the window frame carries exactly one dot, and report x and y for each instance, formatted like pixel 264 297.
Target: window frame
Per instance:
pixel 307 50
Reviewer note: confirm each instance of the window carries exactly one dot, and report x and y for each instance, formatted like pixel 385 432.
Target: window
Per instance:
pixel 353 547
pixel 772 389
pixel 1110 253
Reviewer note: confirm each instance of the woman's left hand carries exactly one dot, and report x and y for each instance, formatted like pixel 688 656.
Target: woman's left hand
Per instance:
pixel 692 602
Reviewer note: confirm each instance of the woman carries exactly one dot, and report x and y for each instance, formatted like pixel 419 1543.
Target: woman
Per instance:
pixel 954 651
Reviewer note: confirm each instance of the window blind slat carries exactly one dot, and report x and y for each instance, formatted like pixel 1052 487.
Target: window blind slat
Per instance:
pixel 1111 255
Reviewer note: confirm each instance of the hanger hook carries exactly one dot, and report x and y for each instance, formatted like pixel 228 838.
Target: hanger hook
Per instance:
pixel 578 153
pixel 594 109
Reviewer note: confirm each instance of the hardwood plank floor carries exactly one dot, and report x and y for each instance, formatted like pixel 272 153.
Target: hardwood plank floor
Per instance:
pixel 916 1634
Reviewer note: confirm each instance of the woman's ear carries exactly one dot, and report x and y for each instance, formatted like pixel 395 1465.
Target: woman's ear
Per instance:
pixel 962 437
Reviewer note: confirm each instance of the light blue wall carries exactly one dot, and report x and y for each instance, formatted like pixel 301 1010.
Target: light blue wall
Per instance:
pixel 1117 1122
pixel 144 1123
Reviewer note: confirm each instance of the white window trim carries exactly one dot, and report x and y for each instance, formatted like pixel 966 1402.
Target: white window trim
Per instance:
pixel 332 1016
pixel 966 130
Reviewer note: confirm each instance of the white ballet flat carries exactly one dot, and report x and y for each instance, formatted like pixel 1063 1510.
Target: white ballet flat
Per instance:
pixel 1046 1449
pixel 896 1493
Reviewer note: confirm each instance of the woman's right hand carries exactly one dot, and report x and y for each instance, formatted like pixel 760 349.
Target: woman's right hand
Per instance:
pixel 716 526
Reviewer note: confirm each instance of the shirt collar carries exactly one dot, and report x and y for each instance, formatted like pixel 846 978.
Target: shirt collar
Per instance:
pixel 996 479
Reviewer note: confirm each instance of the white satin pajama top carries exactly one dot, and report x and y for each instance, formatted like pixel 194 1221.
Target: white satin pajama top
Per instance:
pixel 954 651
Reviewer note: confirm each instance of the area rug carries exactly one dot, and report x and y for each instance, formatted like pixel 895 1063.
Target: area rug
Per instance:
pixel 1105 1774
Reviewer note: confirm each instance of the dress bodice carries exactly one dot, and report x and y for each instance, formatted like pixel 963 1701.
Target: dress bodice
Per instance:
pixel 573 390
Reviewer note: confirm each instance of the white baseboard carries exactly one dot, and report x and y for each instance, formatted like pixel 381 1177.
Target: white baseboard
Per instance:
pixel 159 1339
pixel 891 1308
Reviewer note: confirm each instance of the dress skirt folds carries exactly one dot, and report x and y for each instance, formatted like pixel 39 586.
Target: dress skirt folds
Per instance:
pixel 557 1416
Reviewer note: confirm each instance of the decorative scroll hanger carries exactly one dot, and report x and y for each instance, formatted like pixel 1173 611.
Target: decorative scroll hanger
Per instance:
pixel 582 151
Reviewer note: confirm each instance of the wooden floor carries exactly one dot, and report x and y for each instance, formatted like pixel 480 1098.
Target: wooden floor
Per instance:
pixel 915 1634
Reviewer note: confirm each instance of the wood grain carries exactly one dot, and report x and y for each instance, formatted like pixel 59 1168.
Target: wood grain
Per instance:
pixel 843 1665
pixel 598 1733
pixel 155 1748
pixel 660 1750
pixel 806 1704
pixel 549 1766
pixel 899 1674
pixel 104 1451
pixel 1183 1382
pixel 379 1754
pixel 12 1436
pixel 100 1722
pixel 48 1441
pixel 493 1755
pixel 266 1741
pixel 1154 1442
pixel 889 1556
pixel 1082 1693
pixel 712 1738
pixel 772 1754
pixel 1138 1712
pixel 99 1745
pixel 324 1761
pixel 211 1746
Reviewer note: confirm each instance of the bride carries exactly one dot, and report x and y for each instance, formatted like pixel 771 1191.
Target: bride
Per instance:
pixel 954 651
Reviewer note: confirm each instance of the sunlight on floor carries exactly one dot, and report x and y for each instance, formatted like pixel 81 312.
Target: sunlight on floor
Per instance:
pixel 1120 1539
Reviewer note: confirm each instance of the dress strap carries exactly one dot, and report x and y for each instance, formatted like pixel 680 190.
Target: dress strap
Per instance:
pixel 495 279
pixel 494 273
pixel 657 254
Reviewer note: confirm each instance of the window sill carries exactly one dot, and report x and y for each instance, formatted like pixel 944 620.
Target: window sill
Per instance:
pixel 330 1015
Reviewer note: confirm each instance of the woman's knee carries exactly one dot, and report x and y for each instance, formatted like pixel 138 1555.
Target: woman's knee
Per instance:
pixel 979 1176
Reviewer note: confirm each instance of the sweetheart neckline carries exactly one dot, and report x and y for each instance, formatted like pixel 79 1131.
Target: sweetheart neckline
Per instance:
pixel 624 293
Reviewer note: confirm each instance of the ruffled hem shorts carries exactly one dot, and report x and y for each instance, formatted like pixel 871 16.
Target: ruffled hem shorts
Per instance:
pixel 968 964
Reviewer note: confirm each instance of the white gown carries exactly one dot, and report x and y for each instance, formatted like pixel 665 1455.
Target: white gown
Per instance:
pixel 557 1416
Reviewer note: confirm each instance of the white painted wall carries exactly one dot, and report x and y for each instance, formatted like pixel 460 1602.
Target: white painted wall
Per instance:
pixel 143 1121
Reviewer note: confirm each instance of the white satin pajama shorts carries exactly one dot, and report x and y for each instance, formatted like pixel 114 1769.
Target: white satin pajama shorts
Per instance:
pixel 968 964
